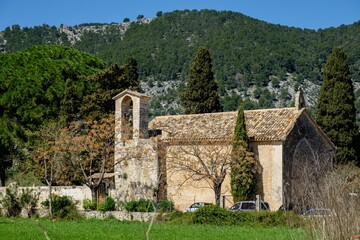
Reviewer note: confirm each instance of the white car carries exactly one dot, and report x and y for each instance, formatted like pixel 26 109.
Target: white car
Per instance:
pixel 248 206
pixel 196 206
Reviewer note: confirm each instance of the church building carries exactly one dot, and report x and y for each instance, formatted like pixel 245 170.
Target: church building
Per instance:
pixel 159 159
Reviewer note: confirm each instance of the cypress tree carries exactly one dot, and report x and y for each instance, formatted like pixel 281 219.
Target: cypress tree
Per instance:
pixel 131 74
pixel 201 93
pixel 243 163
pixel 336 113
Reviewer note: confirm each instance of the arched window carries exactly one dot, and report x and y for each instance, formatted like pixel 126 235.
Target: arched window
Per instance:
pixel 127 118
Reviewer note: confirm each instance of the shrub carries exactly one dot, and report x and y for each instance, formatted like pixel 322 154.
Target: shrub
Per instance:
pixel 88 204
pixel 14 201
pixel 211 214
pixel 220 216
pixel 29 200
pixel 63 207
pixel 165 206
pixel 142 205
pixel 11 201
pixel 108 205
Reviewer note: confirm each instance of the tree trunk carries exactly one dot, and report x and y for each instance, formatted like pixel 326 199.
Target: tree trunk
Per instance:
pixel 50 200
pixel 94 194
pixel 217 190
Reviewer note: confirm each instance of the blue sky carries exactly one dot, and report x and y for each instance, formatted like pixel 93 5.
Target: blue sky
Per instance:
pixel 313 14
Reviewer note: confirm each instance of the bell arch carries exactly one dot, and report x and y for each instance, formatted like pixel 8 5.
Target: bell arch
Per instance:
pixel 127 118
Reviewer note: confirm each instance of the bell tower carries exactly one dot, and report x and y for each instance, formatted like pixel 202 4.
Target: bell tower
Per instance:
pixel 131 115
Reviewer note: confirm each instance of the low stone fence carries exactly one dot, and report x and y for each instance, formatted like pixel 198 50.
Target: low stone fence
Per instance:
pixel 120 215
pixel 77 193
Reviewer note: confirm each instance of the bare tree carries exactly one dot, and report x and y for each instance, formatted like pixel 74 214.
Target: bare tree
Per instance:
pixel 339 193
pixel 201 161
pixel 88 148
pixel 47 157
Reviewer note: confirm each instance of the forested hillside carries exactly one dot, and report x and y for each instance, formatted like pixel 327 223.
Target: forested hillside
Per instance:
pixel 260 62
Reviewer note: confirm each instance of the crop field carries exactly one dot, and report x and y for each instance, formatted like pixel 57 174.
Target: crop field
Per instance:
pixel 18 228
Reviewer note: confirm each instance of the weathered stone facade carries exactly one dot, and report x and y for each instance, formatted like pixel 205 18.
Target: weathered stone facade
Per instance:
pixel 283 141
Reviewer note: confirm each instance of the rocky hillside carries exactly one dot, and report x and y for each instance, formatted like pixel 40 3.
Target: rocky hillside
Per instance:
pixel 255 61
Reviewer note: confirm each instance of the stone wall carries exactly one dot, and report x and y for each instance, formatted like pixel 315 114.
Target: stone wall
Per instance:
pixel 136 170
pixel 183 186
pixel 270 180
pixel 77 193
pixel 306 149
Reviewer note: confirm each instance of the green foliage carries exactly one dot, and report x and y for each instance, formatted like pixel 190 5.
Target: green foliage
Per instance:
pixel 243 163
pixel 108 205
pixel 94 229
pixel 14 200
pixel 142 205
pixel 165 206
pixel 107 84
pixel 63 207
pixel 219 216
pixel 34 85
pixel 201 93
pixel 145 205
pixel 211 215
pixel 88 204
pixel 11 201
pixel 336 113
pixel 165 46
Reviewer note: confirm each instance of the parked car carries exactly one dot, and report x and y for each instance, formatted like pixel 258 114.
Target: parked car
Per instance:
pixel 248 206
pixel 195 206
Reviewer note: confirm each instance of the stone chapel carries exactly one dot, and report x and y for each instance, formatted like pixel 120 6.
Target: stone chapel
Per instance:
pixel 285 141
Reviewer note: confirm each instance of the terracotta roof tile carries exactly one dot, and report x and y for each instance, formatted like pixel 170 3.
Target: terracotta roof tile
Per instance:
pixel 262 125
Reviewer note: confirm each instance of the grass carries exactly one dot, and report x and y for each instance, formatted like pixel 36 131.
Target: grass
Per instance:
pixel 18 228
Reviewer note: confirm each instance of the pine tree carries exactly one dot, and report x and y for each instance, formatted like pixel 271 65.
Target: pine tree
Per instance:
pixel 243 163
pixel 201 93
pixel 336 113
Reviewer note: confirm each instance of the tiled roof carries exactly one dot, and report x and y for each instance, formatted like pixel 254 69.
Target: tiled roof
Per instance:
pixel 261 125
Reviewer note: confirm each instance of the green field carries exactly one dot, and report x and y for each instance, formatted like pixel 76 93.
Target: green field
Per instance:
pixel 17 228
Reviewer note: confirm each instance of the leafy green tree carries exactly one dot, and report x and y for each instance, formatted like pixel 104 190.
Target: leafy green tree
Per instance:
pixel 126 20
pixel 243 163
pixel 159 14
pixel 107 84
pixel 32 87
pixel 336 113
pixel 201 93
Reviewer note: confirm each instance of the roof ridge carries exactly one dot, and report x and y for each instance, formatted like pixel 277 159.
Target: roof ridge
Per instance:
pixel 224 113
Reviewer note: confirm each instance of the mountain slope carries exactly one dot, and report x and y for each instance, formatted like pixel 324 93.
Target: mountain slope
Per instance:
pixel 260 62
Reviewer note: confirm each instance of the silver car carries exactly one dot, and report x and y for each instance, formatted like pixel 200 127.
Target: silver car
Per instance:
pixel 248 206
pixel 196 206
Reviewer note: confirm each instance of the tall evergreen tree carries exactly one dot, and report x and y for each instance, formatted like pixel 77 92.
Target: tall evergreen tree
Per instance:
pixel 131 74
pixel 336 113
pixel 201 93
pixel 243 163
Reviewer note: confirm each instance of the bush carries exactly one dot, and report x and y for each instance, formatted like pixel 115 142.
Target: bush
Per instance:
pixel 220 216
pixel 142 205
pixel 88 204
pixel 14 201
pixel 212 214
pixel 108 205
pixel 63 207
pixel 11 201
pixel 165 206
